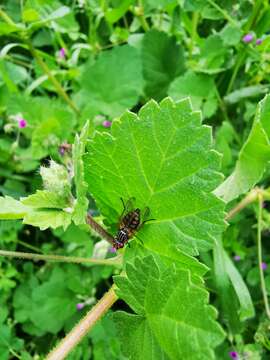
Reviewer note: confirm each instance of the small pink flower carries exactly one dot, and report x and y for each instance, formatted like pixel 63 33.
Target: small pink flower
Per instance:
pixel 107 123
pixel 237 258
pixel 80 306
pixel 22 123
pixel 263 266
pixel 259 41
pixel 233 355
pixel 112 250
pixel 247 38
pixel 62 53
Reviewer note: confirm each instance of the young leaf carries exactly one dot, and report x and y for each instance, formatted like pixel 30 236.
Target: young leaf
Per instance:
pixel 81 202
pixel 253 157
pixel 162 60
pixel 164 158
pixel 45 199
pixel 48 218
pixel 172 320
pixel 111 92
pixel 12 209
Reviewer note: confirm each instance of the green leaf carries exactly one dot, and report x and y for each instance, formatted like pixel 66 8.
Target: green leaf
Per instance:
pixel 226 294
pixel 12 209
pixel 113 15
pixel 45 199
pixel 246 92
pixel 114 82
pixel 214 55
pixel 162 60
pixel 45 219
pixel 199 87
pixel 47 306
pixel 163 157
pixel 231 35
pixel 253 157
pixel 8 28
pixel 49 122
pixel 246 306
pixel 169 311
pixel 81 202
pixel 8 341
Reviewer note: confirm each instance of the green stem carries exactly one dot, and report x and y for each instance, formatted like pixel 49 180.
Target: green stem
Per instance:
pixel 259 244
pixel 223 12
pixel 60 90
pixel 82 328
pixel 240 58
pixel 194 23
pixel 141 17
pixel 31 247
pixel 258 5
pixel 69 259
pixel 6 18
pixel 248 199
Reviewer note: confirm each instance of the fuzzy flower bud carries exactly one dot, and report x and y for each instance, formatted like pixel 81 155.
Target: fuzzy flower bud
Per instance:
pixel 56 179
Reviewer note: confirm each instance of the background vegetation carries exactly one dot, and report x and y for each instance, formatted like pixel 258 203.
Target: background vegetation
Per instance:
pixel 75 67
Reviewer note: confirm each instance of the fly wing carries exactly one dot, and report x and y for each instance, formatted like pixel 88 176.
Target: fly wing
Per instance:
pixel 145 214
pixel 127 207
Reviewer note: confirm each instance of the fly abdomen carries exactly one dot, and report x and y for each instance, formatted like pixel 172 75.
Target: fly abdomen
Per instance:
pixel 121 238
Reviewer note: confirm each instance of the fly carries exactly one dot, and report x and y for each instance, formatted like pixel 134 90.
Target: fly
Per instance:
pixel 130 222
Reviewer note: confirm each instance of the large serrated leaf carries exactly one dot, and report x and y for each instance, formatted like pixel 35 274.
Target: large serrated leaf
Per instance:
pixel 164 158
pixel 172 320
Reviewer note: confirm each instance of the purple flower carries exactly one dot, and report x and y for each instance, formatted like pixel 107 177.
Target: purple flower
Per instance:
pixel 263 265
pixel 62 150
pixel 22 123
pixel 80 306
pixel 237 258
pixel 112 250
pixel 62 53
pixel 247 38
pixel 107 123
pixel 233 355
pixel 259 41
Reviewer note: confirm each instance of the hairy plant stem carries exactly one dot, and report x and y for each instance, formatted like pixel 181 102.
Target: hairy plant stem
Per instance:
pixel 248 199
pixel 85 324
pixel 58 258
pixel 60 90
pixel 259 245
pixel 99 229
